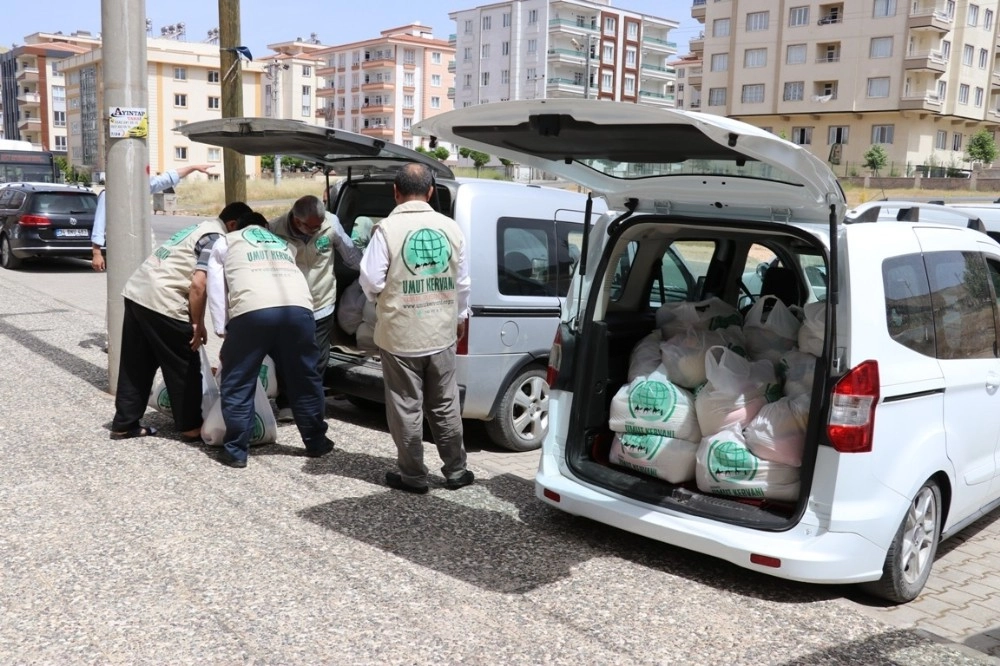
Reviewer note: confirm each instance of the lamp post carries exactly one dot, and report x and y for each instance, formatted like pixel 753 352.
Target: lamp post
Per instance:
pixel 273 70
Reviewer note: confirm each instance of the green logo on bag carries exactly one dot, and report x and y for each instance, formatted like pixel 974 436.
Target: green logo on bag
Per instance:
pixel 730 461
pixel 725 321
pixel 772 393
pixel 263 374
pixel 652 401
pixel 426 252
pixel 163 400
pixel 257 433
pixel 641 447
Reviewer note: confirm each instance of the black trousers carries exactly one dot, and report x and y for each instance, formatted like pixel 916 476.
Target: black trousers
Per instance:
pixel 324 338
pixel 150 341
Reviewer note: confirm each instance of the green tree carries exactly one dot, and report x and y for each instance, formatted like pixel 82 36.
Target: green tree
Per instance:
pixel 441 153
pixel 479 159
pixel 982 148
pixel 63 165
pixel 875 158
pixel 507 164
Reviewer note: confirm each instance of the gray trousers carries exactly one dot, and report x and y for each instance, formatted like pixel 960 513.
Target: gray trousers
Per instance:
pixel 415 385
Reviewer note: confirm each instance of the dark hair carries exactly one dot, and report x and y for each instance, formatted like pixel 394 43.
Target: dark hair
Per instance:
pixel 251 219
pixel 414 180
pixel 234 211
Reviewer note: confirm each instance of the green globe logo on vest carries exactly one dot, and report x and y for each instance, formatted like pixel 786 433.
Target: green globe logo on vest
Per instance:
pixel 427 253
pixel 652 401
pixel 268 247
pixel 730 461
pixel 323 244
pixel 163 251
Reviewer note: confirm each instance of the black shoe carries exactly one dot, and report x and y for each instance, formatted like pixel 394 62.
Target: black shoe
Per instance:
pixel 394 480
pixel 230 461
pixel 462 480
pixel 323 449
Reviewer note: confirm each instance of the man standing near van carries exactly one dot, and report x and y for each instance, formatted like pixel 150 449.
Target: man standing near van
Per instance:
pixel 415 270
pixel 314 233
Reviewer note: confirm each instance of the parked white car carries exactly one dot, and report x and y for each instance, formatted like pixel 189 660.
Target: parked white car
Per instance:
pixel 900 437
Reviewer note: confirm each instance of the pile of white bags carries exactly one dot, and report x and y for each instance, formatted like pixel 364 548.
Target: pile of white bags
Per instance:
pixel 709 315
pixel 159 399
pixel 735 391
pixel 724 465
pixel 771 329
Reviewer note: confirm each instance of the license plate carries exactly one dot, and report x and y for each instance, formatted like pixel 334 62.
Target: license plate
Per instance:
pixel 72 233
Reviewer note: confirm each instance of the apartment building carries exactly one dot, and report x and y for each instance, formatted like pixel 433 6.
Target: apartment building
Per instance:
pixel 688 95
pixel 380 87
pixel 291 81
pixel 918 77
pixel 33 89
pixel 184 85
pixel 528 49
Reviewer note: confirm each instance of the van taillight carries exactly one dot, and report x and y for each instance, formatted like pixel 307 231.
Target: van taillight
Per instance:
pixel 462 346
pixel 555 358
pixel 34 221
pixel 852 409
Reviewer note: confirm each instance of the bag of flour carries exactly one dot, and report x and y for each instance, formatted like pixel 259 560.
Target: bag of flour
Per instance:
pixel 811 333
pixel 645 356
pixel 770 329
pixel 724 465
pixel 269 377
pixel 796 370
pixel 159 399
pixel 350 308
pixel 683 355
pixel 735 391
pixel 653 405
pixel 709 315
pixel 265 427
pixel 663 457
pixel 778 432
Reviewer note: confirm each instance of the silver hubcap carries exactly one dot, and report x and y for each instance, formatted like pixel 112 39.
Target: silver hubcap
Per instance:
pixel 918 535
pixel 530 409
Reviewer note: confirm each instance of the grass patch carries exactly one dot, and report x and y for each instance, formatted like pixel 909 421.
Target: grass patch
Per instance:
pixel 208 197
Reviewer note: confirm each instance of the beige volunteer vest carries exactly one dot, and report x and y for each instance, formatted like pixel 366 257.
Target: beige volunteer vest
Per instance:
pixel 418 309
pixel 163 280
pixel 261 273
pixel 314 258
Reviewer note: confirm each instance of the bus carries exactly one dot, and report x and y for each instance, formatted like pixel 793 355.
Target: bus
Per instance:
pixel 20 163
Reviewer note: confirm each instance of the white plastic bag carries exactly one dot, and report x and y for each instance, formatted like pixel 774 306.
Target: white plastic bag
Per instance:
pixel 663 457
pixel 796 370
pixel 778 432
pixel 725 466
pixel 683 356
pixel 265 427
pixel 709 315
pixel 770 329
pixel 159 399
pixel 350 308
pixel 645 356
pixel 269 377
pixel 735 391
pixel 813 329
pixel 653 405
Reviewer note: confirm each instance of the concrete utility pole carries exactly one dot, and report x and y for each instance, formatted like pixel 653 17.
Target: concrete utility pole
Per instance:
pixel 273 70
pixel 233 164
pixel 123 29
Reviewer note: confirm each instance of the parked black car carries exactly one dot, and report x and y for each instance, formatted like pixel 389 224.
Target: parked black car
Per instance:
pixel 44 220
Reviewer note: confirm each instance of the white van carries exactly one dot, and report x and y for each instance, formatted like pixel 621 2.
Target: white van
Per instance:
pixel 522 243
pixel 832 433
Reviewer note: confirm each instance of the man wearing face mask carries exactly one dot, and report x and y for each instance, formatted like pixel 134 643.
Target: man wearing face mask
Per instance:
pixel 315 233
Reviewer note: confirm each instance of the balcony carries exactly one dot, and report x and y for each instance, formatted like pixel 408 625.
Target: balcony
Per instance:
pixel 921 102
pixel 929 19
pixel 656 72
pixel 451 66
pixel 30 124
pixel 29 99
pixel 325 91
pixel 562 85
pixel 378 61
pixel 698 10
pixel 377 85
pixel 567 56
pixel 648 97
pixel 26 74
pixel 657 44
pixel 376 108
pixel 379 131
pixel 925 61
pixel 995 81
pixel 697 45
pixel 451 93
pixel 568 27
pixel 452 40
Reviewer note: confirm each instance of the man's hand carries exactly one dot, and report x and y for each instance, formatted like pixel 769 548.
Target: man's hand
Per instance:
pixel 97 260
pixel 200 336
pixel 183 172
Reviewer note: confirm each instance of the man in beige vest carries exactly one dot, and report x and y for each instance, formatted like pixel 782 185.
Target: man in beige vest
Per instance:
pixel 164 324
pixel 315 233
pixel 261 306
pixel 415 270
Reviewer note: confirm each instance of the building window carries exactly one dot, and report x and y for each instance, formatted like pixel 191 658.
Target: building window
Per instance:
pixel 967 53
pixel 60 143
pixel 956 141
pixel 608 53
pixel 630 56
pixel 435 80
pixel 532 46
pixel 984 58
pixel 467 81
pixel 307 70
pixel 973 15
pixel 485 79
pixel 505 48
pixel 468 26
pixel 882 133
pixel 978 98
pixel 757 21
pixel 720 28
pixel 881 47
pixel 407 124
pixel 794 91
pixel 878 86
pixel 795 54
pixel 941 140
pixel 506 19
pixel 798 16
pixel 837 134
pixel 942 90
pixel 407 101
pixel 610 23
pixel 963 93
pixel 213 103
pixel 532 16
pixel 504 76
pixel 720 62
pixel 213 76
pixel 755 58
pixel 716 96
pixel 59 118
pixel 484 51
pixel 180 152
pixel 753 93
pixel 180 100
pixel 307 101
pixel 180 74
pixel 214 154
pixel 629 84
pixel 633 31
pixel 988 19
pixel 802 135
pixel 435 57
pixel 884 8
pixel 487 22
pixel 467 53
pixel 946 49
pixel 607 80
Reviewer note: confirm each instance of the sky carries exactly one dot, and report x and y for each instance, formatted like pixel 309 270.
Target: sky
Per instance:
pixel 266 22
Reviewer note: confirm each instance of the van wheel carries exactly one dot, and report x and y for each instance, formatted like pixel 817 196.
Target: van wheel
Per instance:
pixel 7 258
pixel 523 416
pixel 911 555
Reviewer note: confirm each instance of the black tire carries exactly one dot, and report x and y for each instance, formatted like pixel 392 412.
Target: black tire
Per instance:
pixel 911 555
pixel 522 419
pixel 7 258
